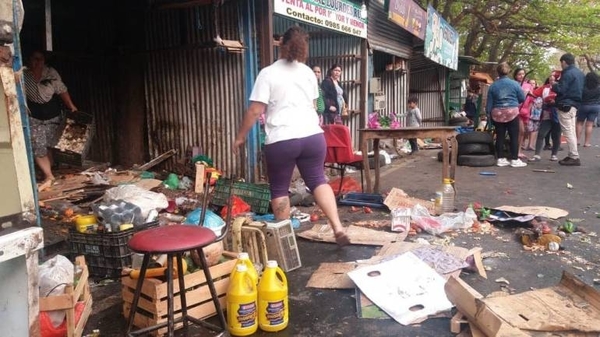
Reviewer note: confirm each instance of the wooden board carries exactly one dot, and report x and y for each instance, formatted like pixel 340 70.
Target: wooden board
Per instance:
pixel 550 212
pixel 357 235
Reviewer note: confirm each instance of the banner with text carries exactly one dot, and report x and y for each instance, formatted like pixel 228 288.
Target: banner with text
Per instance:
pixel 408 15
pixel 441 40
pixel 339 15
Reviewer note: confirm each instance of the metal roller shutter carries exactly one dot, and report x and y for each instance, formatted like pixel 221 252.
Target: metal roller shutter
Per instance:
pixel 384 35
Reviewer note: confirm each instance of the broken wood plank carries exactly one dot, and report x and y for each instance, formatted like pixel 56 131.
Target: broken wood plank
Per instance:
pixel 157 160
pixel 476 253
pixel 457 321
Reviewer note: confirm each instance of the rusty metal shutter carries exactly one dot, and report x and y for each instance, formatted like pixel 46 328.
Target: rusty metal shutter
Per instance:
pixel 384 35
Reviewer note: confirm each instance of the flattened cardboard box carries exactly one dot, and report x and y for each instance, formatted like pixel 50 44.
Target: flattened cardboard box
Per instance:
pixel 571 308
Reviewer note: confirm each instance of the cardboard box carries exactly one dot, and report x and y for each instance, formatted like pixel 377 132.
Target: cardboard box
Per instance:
pixel 571 308
pixel 68 300
pixel 398 199
pixel 153 300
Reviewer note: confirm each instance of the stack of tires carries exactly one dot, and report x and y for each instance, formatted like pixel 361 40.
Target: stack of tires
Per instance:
pixel 475 149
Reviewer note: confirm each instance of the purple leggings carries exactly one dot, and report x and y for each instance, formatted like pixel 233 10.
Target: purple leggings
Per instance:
pixel 306 153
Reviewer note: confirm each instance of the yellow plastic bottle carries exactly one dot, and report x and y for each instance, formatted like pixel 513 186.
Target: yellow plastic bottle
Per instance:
pixel 244 259
pixel 273 310
pixel 241 303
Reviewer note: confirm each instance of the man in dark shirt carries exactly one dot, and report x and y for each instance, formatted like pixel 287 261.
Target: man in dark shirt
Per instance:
pixel 568 98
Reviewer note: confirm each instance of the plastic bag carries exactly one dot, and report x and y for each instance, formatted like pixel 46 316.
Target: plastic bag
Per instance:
pixel 145 200
pixel 239 206
pixel 446 222
pixel 211 220
pixel 348 185
pixel 54 276
pixel 172 181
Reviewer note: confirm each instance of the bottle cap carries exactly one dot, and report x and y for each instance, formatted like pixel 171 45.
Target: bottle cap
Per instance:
pixel 272 264
pixel 447 181
pixel 243 256
pixel 241 267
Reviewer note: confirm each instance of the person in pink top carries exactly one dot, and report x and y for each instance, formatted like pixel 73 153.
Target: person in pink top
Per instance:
pixel 524 108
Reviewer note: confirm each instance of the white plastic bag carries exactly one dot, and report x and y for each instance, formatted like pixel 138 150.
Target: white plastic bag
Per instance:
pixel 443 223
pixel 145 200
pixel 54 275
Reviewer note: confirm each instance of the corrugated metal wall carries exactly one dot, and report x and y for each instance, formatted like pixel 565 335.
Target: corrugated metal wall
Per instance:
pixel 326 48
pixel 394 85
pixel 386 36
pixel 428 83
pixel 195 95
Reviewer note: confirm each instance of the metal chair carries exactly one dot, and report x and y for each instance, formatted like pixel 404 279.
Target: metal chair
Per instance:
pixel 339 152
pixel 174 241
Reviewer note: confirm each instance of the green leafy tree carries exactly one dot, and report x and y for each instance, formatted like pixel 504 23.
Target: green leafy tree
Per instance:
pixel 526 33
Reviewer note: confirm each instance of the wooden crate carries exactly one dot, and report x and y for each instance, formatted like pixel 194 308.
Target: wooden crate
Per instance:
pixel 153 299
pixel 69 299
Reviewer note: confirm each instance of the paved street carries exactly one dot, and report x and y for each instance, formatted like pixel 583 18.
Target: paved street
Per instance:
pixel 332 313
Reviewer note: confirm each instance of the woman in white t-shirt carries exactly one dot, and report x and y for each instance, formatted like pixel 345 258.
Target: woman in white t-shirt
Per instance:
pixel 287 90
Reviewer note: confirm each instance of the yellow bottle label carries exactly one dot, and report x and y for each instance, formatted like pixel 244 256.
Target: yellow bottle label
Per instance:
pixel 275 312
pixel 246 315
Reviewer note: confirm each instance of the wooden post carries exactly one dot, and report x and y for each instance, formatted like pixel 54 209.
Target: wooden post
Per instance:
pixel 199 186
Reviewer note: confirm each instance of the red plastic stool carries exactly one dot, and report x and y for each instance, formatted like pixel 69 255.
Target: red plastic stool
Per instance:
pixel 174 241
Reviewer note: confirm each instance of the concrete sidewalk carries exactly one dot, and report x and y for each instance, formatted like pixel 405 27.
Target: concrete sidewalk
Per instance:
pixel 315 312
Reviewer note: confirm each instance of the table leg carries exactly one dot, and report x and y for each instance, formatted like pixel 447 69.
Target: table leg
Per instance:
pixel 376 161
pixel 453 157
pixel 364 149
pixel 445 158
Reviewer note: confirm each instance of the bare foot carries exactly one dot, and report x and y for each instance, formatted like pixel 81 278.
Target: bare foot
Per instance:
pixel 587 145
pixel 342 239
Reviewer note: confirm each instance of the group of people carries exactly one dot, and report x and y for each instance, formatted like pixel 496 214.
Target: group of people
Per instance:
pixel 565 104
pixel 332 103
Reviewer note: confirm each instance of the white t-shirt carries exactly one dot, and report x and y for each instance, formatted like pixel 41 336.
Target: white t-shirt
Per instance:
pixel 289 90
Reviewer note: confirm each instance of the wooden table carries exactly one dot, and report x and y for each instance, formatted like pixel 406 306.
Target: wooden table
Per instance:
pixel 445 133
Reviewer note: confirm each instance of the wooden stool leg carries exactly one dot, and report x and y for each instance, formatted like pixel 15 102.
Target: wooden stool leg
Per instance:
pixel 170 310
pixel 138 291
pixel 215 298
pixel 180 274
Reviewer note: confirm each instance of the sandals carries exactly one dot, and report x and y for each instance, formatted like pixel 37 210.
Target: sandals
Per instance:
pixel 587 145
pixel 342 239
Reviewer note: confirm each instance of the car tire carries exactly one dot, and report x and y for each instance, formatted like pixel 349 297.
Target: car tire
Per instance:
pixel 458 121
pixel 476 161
pixel 474 148
pixel 474 138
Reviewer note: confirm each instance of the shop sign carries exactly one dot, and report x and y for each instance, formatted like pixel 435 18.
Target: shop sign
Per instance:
pixel 441 40
pixel 339 15
pixel 408 15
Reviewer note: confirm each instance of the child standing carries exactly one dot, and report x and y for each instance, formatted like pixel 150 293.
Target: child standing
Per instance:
pixel 413 119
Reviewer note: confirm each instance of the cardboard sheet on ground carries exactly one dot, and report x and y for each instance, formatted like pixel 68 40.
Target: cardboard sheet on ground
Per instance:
pixel 398 198
pixel 572 308
pixel 357 235
pixel 406 296
pixel 332 275
pixel 550 212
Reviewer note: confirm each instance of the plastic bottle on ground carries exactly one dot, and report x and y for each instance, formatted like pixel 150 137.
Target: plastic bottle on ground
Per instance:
pixel 244 258
pixel 448 195
pixel 241 303
pixel 273 310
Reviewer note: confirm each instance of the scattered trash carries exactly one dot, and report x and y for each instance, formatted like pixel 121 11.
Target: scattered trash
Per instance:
pixel 487 173
pixel 569 186
pixel 502 280
pixel 544 171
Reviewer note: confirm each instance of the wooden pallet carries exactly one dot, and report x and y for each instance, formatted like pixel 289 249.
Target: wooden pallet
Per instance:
pixel 70 298
pixel 153 299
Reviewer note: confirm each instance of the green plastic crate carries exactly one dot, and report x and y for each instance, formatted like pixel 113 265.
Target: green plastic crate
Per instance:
pixel 258 196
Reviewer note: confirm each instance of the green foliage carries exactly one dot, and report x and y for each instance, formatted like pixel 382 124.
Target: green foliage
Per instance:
pixel 525 33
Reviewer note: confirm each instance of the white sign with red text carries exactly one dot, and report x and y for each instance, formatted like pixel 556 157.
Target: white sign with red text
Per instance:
pixel 339 15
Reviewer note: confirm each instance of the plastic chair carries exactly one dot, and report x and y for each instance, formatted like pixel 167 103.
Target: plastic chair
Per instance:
pixel 174 241
pixel 339 152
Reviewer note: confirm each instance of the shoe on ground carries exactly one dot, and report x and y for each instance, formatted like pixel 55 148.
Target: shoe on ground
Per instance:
pixel 535 158
pixel 502 162
pixel 517 163
pixel 553 158
pixel 568 161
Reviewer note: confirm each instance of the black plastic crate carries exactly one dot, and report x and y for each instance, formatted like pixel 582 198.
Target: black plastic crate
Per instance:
pixel 106 253
pixel 258 196
pixel 70 157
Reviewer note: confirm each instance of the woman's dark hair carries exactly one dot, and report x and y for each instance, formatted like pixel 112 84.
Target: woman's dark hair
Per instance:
pixel 330 70
pixel 294 45
pixel 592 80
pixel 516 72
pixel 413 99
